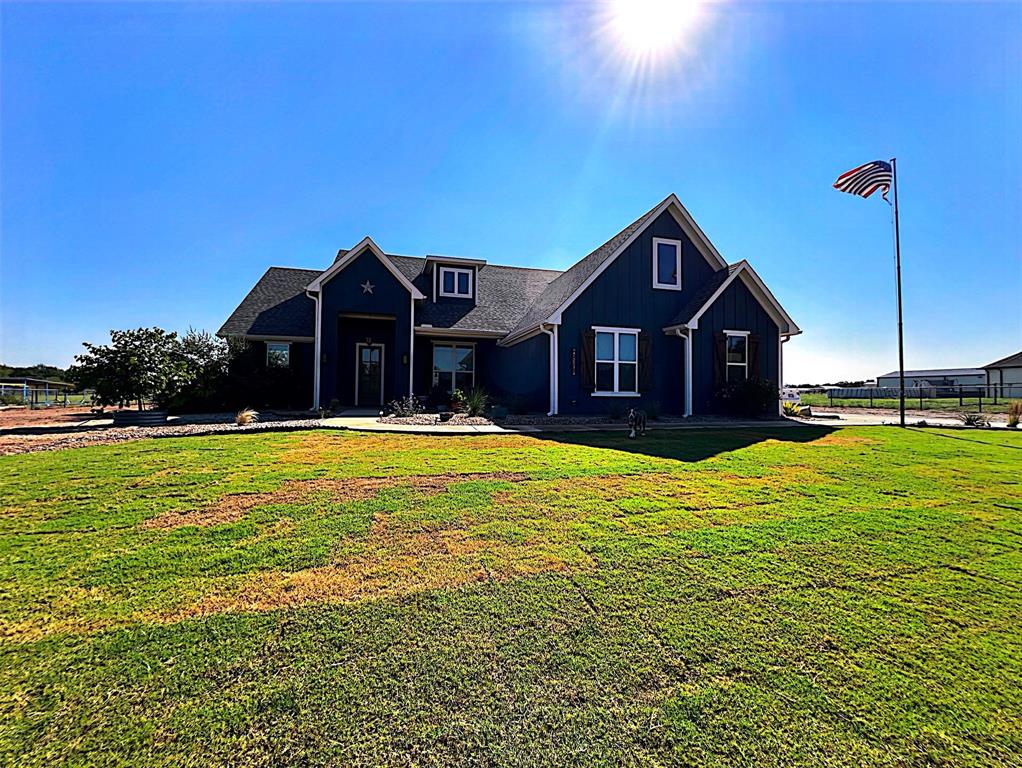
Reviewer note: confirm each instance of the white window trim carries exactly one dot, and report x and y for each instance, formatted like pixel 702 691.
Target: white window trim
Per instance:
pixel 383 366
pixel 658 241
pixel 456 270
pixel 727 363
pixel 279 343
pixel 432 365
pixel 617 332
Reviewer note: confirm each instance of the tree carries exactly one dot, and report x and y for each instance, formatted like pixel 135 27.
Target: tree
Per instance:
pixel 142 366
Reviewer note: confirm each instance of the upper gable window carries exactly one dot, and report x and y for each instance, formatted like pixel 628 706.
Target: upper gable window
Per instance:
pixel 456 282
pixel 667 264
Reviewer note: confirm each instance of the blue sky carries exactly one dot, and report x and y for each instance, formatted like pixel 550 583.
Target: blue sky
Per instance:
pixel 157 158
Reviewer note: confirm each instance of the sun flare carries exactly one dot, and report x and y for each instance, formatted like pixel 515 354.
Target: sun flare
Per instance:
pixel 651 30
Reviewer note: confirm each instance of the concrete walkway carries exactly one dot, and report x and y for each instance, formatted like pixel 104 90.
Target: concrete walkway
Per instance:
pixel 371 424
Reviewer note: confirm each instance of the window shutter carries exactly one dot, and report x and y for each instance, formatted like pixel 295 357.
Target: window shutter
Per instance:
pixel 754 371
pixel 645 362
pixel 588 360
pixel 720 359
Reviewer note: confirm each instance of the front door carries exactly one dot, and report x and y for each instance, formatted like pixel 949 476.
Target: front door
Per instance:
pixel 369 374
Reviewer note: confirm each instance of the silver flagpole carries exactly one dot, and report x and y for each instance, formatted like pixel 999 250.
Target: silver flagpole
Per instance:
pixel 897 267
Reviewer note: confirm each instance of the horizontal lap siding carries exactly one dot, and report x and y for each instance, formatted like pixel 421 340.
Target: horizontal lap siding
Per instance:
pixel 736 310
pixel 623 295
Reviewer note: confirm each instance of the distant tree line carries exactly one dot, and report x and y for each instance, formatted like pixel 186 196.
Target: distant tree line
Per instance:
pixel 40 371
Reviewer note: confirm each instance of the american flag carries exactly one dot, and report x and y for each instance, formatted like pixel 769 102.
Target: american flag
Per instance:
pixel 866 179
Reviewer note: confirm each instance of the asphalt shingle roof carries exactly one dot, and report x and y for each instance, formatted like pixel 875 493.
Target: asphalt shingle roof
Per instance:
pixel 509 300
pixel 276 306
pixel 559 289
pixel 501 294
pixel 703 295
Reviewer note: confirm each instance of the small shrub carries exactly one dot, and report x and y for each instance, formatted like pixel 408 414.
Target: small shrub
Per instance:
pixel 335 405
pixel 974 420
pixel 652 410
pixel 246 416
pixel 404 407
pixel 476 402
pixel 616 411
pixel 456 402
pixel 1014 413
pixel 751 398
pixel 792 408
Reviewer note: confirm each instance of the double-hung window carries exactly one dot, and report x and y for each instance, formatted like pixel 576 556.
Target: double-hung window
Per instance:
pixel 454 366
pixel 617 361
pixel 666 264
pixel 736 352
pixel 456 282
pixel 278 354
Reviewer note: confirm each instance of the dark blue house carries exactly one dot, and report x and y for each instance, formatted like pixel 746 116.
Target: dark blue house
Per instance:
pixel 652 315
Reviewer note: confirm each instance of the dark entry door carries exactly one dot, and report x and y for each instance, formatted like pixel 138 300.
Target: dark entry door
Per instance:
pixel 369 375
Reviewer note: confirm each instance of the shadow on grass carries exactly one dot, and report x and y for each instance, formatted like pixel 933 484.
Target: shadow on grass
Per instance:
pixel 687 444
pixel 931 433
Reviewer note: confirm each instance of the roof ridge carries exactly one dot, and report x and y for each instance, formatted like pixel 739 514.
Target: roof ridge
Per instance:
pixel 535 313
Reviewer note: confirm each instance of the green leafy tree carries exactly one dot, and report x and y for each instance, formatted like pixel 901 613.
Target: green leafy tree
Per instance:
pixel 140 366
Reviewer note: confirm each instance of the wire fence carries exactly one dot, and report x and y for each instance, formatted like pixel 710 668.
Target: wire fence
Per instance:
pixel 35 395
pixel 964 398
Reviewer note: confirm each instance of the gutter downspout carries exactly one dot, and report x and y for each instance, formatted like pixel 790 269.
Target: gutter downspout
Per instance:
pixel 551 332
pixel 688 368
pixel 317 345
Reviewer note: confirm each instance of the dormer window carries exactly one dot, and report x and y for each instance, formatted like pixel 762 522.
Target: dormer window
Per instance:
pixel 455 282
pixel 666 264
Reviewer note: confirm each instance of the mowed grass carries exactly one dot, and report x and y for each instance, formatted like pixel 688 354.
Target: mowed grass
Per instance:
pixel 951 405
pixel 787 596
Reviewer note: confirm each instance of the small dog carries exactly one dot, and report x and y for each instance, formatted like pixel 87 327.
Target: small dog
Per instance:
pixel 636 422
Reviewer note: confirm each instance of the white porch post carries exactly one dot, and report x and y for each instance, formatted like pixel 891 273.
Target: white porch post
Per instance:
pixel 411 346
pixel 780 373
pixel 688 373
pixel 318 351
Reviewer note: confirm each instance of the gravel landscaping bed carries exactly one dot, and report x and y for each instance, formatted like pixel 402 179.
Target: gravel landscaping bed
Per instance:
pixel 432 419
pixel 76 438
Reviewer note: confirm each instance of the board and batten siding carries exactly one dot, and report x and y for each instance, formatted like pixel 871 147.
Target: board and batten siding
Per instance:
pixel 736 309
pixel 623 296
pixel 343 294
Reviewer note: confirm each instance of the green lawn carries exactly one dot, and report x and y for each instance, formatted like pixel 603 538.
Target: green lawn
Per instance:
pixel 724 598
pixel 949 404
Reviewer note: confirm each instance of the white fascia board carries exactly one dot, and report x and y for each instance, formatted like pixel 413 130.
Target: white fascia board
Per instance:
pixel 366 244
pixel 454 333
pixel 688 226
pixel 759 291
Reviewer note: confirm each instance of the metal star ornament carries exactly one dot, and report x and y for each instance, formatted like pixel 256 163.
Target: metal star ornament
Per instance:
pixel 367 287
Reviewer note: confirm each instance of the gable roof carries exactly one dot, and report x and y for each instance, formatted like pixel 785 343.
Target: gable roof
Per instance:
pixel 1011 361
pixel 936 372
pixel 689 316
pixel 341 262
pixel 276 306
pixel 565 289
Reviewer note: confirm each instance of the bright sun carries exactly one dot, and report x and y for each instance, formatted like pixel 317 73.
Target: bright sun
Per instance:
pixel 650 30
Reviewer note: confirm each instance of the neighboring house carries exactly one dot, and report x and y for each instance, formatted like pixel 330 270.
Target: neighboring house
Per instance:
pixel 936 378
pixel 655 314
pixel 1004 376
